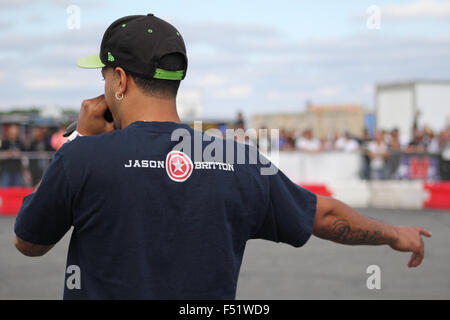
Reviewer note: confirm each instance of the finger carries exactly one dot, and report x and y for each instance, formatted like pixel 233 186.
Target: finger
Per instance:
pixel 418 260
pixel 411 260
pixel 419 254
pixel 100 104
pixel 109 127
pixel 425 232
pixel 93 101
pixel 415 260
pixel 98 98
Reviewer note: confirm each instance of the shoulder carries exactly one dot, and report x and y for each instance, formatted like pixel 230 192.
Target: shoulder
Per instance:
pixel 88 145
pixel 244 156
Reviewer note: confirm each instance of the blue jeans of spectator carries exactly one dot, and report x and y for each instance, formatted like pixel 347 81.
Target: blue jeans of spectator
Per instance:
pixel 377 174
pixel 11 179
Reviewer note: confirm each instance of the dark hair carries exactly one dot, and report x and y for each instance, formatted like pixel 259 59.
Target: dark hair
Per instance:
pixel 159 87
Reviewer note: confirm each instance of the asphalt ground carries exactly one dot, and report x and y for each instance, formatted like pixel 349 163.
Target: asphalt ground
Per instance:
pixel 319 270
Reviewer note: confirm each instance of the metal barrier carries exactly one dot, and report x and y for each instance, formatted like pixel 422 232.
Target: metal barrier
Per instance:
pixel 334 174
pixel 409 166
pixel 25 169
pixel 22 169
pixel 337 167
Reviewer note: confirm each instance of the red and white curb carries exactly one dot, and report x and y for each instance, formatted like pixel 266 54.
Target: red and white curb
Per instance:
pixel 376 194
pixel 387 194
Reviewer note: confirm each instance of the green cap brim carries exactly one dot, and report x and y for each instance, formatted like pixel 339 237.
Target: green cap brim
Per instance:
pixel 90 62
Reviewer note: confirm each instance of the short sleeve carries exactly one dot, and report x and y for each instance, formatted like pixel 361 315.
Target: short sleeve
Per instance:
pixel 290 213
pixel 45 215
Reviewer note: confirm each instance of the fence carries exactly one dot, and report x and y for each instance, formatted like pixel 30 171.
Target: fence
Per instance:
pixel 411 166
pixel 411 181
pixel 351 166
pixel 26 168
pixel 22 169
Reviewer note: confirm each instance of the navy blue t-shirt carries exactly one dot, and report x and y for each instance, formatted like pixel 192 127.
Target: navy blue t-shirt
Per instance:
pixel 153 223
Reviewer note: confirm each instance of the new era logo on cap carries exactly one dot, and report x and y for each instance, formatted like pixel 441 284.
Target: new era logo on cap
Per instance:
pixel 137 43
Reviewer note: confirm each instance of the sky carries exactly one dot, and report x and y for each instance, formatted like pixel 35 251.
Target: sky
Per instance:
pixel 253 56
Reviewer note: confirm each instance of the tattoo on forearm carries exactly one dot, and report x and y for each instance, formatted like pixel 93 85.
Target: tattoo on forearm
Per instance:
pixel 343 233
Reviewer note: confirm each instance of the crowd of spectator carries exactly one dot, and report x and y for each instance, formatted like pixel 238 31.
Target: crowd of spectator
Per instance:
pixel 423 141
pixel 377 149
pixel 24 154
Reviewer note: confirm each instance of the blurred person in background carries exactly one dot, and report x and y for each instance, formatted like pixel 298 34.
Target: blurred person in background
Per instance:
pixel 39 143
pixel 378 152
pixel 240 122
pixel 328 142
pixel 444 145
pixel 444 139
pixel 286 140
pixel 395 145
pixel 40 139
pixel 290 140
pixel 364 143
pixel 431 142
pixel 386 137
pixel 11 175
pixel 57 139
pixel 416 145
pixel 347 143
pixel 263 141
pixel 282 139
pixel 307 143
pixel 365 139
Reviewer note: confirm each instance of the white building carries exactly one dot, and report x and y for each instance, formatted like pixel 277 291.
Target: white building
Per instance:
pixel 397 105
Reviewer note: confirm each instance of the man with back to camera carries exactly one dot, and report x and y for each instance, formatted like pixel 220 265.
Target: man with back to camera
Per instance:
pixel 151 221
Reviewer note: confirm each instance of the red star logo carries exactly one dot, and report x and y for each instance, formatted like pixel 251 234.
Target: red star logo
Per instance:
pixel 178 166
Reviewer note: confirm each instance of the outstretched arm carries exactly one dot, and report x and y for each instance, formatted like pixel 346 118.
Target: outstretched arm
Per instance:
pixel 338 222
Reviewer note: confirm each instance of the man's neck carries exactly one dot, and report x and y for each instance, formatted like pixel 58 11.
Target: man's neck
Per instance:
pixel 150 109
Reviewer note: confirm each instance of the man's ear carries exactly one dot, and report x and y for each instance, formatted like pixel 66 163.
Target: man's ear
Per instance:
pixel 122 80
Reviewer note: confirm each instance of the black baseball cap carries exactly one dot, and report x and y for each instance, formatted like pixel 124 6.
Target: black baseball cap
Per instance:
pixel 137 43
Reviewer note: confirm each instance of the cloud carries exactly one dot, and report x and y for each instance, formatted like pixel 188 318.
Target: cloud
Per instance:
pixel 239 91
pixel 211 80
pixel 56 82
pixel 20 4
pixel 6 25
pixel 236 66
pixel 236 91
pixel 16 4
pixel 328 91
pixel 226 37
pixel 277 94
pixel 418 9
